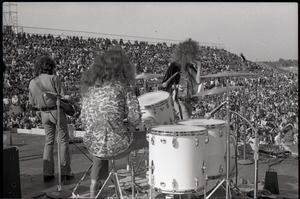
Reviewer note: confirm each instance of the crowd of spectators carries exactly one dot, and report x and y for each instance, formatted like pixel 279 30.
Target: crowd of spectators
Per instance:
pixel 269 100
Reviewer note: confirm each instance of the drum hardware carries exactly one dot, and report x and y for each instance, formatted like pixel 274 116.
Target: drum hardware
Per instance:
pixel 206 140
pixel 204 178
pixel 221 169
pixel 152 140
pixel 227 75
pixel 230 74
pixel 255 153
pixel 196 182
pixel 197 141
pixel 221 132
pixel 174 186
pixel 174 141
pixel 163 141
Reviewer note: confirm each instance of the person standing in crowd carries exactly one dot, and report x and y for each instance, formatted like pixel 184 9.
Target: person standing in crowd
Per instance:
pixel 182 78
pixel 46 81
pixel 108 100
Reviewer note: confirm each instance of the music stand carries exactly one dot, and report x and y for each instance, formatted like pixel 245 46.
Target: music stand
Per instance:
pixel 59 193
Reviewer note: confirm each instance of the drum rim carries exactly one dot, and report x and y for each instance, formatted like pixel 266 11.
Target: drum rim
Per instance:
pixel 177 133
pixel 174 125
pixel 208 126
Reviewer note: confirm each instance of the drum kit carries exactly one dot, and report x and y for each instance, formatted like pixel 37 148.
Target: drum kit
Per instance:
pixel 188 156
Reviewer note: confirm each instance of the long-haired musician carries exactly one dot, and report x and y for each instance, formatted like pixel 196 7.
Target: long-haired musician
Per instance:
pixel 182 78
pixel 108 98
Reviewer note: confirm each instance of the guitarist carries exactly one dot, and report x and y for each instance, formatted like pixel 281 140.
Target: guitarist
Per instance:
pixel 45 81
pixel 182 78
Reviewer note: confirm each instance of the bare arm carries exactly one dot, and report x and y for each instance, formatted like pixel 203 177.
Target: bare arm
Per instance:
pixel 198 75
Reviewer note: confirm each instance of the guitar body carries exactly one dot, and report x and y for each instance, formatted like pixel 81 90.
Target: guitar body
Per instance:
pixel 69 108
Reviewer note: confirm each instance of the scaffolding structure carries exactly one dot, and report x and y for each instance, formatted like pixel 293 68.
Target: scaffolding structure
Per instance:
pixel 10 17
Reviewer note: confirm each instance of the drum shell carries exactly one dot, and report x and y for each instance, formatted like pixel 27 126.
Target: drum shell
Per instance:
pixel 161 109
pixel 176 162
pixel 216 153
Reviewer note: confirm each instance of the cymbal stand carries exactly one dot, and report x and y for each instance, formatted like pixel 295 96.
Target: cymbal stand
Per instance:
pixel 255 154
pixel 228 194
pixel 227 179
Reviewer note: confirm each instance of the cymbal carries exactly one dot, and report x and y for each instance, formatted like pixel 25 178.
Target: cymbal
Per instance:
pixel 148 76
pixel 230 74
pixel 217 90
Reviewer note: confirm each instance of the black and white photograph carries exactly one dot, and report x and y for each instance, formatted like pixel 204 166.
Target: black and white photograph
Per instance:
pixel 150 100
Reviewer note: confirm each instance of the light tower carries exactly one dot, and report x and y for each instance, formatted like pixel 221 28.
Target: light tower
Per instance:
pixel 10 17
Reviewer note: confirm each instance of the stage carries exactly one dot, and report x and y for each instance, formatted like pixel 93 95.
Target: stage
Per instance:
pixel 32 186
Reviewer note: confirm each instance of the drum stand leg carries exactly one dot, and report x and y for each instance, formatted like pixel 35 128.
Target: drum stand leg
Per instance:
pixel 213 191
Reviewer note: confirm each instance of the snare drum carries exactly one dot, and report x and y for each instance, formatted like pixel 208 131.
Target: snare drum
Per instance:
pixel 176 158
pixel 215 155
pixel 159 105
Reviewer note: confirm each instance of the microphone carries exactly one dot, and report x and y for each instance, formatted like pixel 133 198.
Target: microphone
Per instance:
pixel 210 114
pixel 52 93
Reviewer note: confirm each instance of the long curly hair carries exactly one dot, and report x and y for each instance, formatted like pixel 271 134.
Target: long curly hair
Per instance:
pixel 109 66
pixel 186 52
pixel 44 64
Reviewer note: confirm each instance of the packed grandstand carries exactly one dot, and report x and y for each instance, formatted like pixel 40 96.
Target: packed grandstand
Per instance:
pixel 269 101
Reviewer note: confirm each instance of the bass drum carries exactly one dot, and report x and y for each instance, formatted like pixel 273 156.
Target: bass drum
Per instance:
pixel 176 158
pixel 216 152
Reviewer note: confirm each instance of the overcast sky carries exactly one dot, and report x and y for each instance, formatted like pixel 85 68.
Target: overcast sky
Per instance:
pixel 262 31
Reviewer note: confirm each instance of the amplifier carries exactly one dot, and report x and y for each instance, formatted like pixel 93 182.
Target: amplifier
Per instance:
pixel 11 173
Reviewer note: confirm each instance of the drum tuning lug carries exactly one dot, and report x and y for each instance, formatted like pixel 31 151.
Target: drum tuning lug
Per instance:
pixel 174 142
pixel 173 184
pixel 152 167
pixel 197 141
pixel 221 169
pixel 221 132
pixel 206 139
pixel 162 184
pixel 152 140
pixel 163 141
pixel 162 108
pixel 196 182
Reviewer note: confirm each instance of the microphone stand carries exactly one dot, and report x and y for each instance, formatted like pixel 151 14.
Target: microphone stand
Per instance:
pixel 227 142
pixel 59 193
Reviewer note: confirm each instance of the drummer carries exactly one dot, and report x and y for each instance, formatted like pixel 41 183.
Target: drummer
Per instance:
pixel 182 78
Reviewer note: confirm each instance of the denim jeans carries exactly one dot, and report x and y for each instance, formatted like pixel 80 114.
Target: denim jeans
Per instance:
pixel 49 120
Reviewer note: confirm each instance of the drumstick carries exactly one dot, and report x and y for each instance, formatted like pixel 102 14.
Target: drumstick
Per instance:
pixel 167 82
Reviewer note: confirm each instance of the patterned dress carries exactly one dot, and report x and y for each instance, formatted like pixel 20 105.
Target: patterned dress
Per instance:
pixel 103 112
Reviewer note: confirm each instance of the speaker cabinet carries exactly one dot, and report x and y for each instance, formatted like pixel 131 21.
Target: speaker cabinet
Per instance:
pixel 11 173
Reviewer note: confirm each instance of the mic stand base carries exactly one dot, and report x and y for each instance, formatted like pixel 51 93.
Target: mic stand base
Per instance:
pixel 59 194
pixel 245 162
